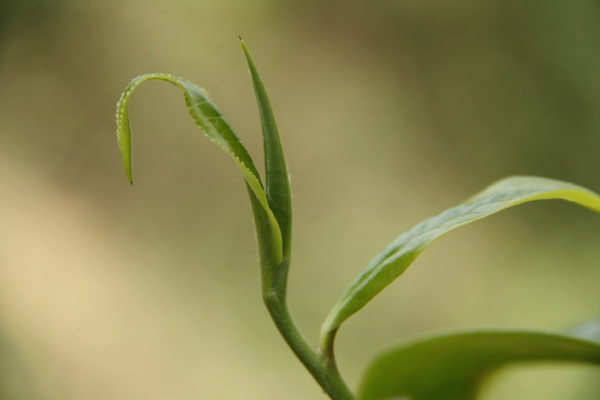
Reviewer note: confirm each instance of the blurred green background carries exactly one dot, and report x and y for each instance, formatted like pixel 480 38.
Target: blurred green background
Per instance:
pixel 390 111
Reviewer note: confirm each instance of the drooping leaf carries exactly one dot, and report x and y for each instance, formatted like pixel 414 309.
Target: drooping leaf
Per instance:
pixel 400 254
pixel 453 366
pixel 279 192
pixel 211 121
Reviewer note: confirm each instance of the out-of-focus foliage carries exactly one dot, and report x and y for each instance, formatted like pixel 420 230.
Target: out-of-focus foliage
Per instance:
pixel 455 366
pixel 17 14
pixel 390 111
pixel 498 78
pixel 17 381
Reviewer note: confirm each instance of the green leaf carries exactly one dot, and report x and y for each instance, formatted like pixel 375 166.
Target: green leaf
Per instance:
pixel 211 121
pixel 400 254
pixel 453 366
pixel 279 192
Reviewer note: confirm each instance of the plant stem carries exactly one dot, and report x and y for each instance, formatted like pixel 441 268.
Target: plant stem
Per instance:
pixel 274 277
pixel 324 372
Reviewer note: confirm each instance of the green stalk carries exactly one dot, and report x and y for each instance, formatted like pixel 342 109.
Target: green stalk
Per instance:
pixel 274 287
pixel 315 362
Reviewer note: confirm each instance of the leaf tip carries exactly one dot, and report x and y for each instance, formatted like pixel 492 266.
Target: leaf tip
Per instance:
pixel 244 47
pixel 129 175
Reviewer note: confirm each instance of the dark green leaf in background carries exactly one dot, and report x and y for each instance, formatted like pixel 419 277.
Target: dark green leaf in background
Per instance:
pixel 453 366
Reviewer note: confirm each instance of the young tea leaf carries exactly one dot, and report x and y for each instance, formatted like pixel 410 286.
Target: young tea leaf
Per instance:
pixel 400 254
pixel 453 366
pixel 211 121
pixel 278 188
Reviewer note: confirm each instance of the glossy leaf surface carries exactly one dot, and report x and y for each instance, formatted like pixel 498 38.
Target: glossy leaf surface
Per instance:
pixel 400 254
pixel 453 366
pixel 277 178
pixel 211 121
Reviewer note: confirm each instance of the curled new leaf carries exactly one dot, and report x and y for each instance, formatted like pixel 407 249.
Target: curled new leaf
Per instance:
pixel 211 121
pixel 400 254
pixel 453 366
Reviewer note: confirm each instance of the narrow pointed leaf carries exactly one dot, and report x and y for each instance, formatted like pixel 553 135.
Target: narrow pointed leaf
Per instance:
pixel 277 179
pixel 400 254
pixel 453 366
pixel 211 121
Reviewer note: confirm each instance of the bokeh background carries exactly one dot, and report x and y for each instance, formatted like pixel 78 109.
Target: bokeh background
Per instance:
pixel 390 111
